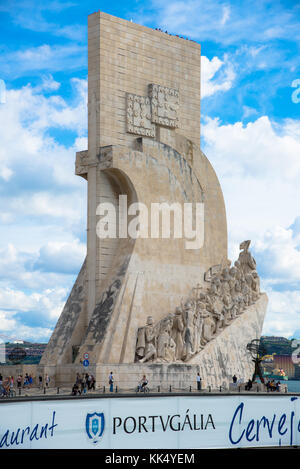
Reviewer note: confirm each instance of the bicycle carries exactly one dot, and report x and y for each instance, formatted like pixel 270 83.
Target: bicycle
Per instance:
pixel 4 392
pixel 11 393
pixel 143 389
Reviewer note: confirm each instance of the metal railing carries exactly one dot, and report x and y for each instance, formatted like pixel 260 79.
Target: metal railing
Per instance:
pixel 64 391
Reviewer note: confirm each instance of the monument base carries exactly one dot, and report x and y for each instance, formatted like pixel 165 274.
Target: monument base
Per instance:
pixel 224 356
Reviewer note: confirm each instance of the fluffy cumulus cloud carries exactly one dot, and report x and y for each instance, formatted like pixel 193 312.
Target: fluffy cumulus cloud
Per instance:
pixel 27 118
pixel 216 75
pixel 259 168
pixel 30 316
pixel 14 329
pixel 35 16
pixel 42 204
pixel 283 316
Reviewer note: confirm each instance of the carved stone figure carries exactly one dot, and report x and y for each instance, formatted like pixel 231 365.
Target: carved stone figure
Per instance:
pixel 208 328
pixel 189 329
pixel 255 285
pixel 249 282
pixel 198 326
pixel 178 328
pixel 246 260
pixel 171 351
pixel 232 280
pixel 148 338
pixel 164 340
pixel 226 311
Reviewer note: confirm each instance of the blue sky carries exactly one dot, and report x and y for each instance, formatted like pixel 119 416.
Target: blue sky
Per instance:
pixel 250 133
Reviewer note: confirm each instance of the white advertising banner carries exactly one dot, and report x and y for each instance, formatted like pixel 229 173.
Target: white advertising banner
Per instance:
pixel 185 422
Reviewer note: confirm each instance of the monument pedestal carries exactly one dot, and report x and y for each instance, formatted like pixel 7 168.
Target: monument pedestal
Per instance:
pixel 225 355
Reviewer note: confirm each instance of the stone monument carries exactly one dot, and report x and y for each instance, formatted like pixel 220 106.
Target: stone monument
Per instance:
pixel 167 306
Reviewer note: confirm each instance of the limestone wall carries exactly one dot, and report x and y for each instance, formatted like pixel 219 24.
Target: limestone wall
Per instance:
pixel 226 355
pixel 223 357
pixel 127 57
pixel 149 276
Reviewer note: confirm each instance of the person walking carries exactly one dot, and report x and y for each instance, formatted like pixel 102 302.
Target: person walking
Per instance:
pixel 40 381
pixel 19 381
pixel 93 383
pixel 89 381
pixel 11 384
pixel 47 381
pixel 78 379
pixel 248 385
pixel 82 384
pixel 26 383
pixel 198 382
pixel 111 382
pixel 85 384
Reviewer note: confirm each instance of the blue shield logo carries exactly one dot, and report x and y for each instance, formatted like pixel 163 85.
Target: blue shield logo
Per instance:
pixel 94 426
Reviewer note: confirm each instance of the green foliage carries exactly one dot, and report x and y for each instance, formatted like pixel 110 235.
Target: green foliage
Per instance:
pixel 277 345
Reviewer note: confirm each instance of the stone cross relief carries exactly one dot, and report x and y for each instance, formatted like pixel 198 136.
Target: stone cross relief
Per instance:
pixel 160 107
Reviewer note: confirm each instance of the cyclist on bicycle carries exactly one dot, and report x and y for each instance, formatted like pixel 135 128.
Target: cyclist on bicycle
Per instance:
pixel 2 391
pixel 5 388
pixel 143 383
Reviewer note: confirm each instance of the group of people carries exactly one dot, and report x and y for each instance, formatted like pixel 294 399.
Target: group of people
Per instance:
pixel 28 381
pixel 176 35
pixel 273 386
pixel 6 385
pixel 25 382
pixel 85 382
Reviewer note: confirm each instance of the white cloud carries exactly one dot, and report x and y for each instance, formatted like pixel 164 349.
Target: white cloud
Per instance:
pixel 52 265
pixel 45 57
pixel 258 166
pixel 260 163
pixel 47 303
pixel 210 84
pixel 13 328
pixel 39 185
pixel 6 173
pixel 32 15
pixel 42 205
pixel 226 15
pixel 61 257
pixel 7 321
pixel 283 316
pixel 25 122
pixel 280 253
pixel 48 84
pixel 45 203
pixel 30 316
